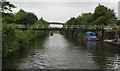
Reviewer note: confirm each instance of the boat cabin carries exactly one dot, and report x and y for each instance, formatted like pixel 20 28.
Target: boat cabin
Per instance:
pixel 91 35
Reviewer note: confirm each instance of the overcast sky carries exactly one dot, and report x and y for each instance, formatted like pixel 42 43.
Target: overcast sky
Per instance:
pixel 61 10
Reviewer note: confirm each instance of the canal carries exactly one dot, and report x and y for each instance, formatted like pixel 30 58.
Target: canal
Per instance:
pixel 61 52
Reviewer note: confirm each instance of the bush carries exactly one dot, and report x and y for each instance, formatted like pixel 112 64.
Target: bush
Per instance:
pixel 9 43
pixel 14 40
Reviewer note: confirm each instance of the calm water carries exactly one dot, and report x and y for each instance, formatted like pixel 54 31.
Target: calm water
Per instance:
pixel 60 52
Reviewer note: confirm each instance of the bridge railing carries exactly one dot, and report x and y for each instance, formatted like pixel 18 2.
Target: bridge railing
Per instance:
pixel 83 27
pixel 30 26
pixel 64 27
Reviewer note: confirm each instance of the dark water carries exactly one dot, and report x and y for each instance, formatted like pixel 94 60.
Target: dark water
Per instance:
pixel 60 52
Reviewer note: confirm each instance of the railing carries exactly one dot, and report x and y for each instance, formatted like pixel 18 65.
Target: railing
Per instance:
pixel 64 26
pixel 30 26
pixel 83 27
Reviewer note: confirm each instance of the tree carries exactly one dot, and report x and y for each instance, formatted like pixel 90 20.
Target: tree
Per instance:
pixel 100 10
pixel 25 18
pixel 31 18
pixel 41 22
pixel 72 21
pixel 100 21
pixel 6 6
pixel 8 17
pixel 106 15
pixel 85 18
pixel 102 16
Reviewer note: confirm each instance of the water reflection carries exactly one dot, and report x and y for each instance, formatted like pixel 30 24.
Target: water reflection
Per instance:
pixel 104 57
pixel 90 44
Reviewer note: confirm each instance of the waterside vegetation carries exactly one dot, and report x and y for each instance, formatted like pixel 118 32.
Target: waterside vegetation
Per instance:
pixel 13 39
pixel 102 16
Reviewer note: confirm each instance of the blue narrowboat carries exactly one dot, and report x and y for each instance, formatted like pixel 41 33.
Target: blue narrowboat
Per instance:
pixel 91 36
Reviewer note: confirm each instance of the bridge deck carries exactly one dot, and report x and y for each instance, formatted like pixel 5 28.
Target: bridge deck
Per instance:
pixel 57 29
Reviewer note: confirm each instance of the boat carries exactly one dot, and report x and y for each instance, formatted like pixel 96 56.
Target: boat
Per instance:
pixel 91 36
pixel 51 34
pixel 113 42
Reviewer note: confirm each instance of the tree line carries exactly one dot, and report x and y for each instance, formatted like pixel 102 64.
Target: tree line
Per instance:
pixel 102 16
pixel 14 40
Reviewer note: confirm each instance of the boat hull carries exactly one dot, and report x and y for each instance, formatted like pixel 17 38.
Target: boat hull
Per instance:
pixel 91 39
pixel 109 42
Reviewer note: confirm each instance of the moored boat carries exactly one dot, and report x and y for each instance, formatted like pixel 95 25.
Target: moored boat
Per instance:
pixel 113 42
pixel 91 36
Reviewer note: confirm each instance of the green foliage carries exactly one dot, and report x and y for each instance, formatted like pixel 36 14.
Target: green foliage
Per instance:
pixel 43 21
pixel 118 22
pixel 8 39
pixel 24 37
pixel 13 39
pixel 101 16
pixel 105 15
pixel 100 10
pixel 6 6
pixel 40 23
pixel 25 18
pixel 85 18
pixel 72 21
pixel 8 17
pixel 100 20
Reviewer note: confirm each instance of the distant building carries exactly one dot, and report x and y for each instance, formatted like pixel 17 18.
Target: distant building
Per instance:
pixel 55 25
pixel 119 10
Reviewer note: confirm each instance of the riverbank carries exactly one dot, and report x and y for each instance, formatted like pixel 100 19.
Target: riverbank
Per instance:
pixel 111 35
pixel 15 40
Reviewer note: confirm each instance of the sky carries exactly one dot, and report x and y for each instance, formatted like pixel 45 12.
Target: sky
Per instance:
pixel 61 10
pixel 63 0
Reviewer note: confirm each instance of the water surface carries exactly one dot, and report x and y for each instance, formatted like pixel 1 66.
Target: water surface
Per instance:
pixel 61 52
